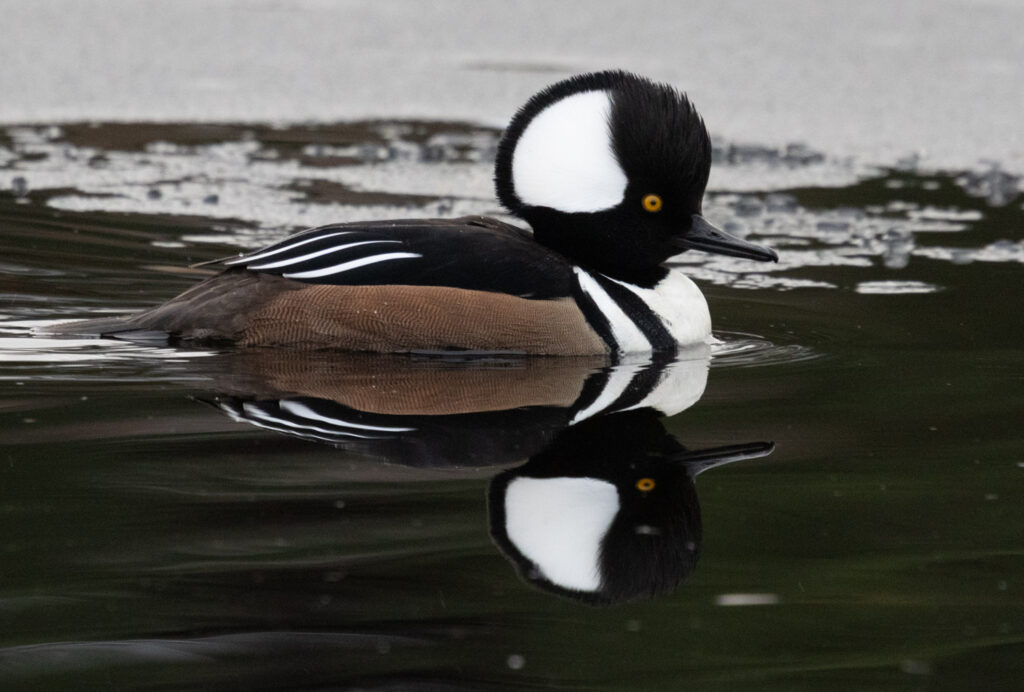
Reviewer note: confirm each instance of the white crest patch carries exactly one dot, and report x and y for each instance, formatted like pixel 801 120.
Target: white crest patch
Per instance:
pixel 564 158
pixel 558 524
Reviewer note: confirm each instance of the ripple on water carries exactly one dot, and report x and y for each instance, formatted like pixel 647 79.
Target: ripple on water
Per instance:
pixel 19 347
pixel 736 349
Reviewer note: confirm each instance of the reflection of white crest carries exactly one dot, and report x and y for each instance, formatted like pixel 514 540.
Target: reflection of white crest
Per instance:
pixel 558 524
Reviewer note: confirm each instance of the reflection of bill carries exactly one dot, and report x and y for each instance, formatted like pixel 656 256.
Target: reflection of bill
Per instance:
pixel 603 509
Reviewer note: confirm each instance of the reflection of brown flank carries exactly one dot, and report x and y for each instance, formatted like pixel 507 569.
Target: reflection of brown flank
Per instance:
pixel 397 386
pixel 256 309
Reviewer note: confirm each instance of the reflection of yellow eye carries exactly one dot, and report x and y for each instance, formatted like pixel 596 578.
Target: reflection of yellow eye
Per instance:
pixel 651 203
pixel 645 485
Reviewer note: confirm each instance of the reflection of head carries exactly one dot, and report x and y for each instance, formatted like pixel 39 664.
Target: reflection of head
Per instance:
pixel 607 513
pixel 653 546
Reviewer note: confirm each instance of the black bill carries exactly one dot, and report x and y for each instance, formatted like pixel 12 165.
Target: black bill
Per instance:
pixel 703 236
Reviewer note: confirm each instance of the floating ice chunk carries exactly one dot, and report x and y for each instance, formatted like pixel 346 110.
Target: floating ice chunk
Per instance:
pixel 746 599
pixel 895 287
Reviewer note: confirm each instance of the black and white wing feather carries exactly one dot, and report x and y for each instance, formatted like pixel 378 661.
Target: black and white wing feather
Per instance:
pixel 311 419
pixel 474 253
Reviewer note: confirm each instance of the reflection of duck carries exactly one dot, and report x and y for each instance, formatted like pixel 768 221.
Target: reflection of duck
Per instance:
pixel 432 412
pixel 608 511
pixel 603 510
pixel 609 170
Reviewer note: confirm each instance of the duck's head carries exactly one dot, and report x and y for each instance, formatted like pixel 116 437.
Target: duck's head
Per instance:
pixel 609 169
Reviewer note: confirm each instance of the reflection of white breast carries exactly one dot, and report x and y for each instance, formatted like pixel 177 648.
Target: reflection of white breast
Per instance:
pixel 682 384
pixel 558 524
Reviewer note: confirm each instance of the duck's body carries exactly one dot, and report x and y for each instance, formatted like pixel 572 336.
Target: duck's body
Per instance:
pixel 470 284
pixel 609 170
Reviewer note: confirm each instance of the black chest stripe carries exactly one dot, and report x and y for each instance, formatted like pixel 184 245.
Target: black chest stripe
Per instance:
pixel 649 324
pixel 595 318
pixel 644 382
pixel 593 388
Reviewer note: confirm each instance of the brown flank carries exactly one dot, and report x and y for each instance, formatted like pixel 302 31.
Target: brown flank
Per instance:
pixel 254 309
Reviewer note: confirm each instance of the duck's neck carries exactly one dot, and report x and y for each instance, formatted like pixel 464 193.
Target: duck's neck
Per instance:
pixel 598 254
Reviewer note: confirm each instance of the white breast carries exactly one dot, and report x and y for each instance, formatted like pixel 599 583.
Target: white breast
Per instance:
pixel 675 300
pixel 680 305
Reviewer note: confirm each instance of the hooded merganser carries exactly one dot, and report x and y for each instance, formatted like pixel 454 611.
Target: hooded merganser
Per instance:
pixel 609 170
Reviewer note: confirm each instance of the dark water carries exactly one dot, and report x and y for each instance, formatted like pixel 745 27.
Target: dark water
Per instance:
pixel 185 519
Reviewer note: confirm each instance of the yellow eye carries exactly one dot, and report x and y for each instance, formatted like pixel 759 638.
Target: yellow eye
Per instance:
pixel 645 485
pixel 651 203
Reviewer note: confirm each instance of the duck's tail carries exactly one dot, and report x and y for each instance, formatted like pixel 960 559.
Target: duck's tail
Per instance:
pixel 215 309
pixel 122 327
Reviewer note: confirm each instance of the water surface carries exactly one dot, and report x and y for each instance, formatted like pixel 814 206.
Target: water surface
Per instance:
pixel 194 519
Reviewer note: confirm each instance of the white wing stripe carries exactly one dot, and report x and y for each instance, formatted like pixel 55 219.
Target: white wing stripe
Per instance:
pixel 303 411
pixel 353 264
pixel 329 436
pixel 314 255
pixel 289 246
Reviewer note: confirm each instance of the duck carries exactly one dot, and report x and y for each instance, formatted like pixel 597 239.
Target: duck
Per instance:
pixel 608 170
